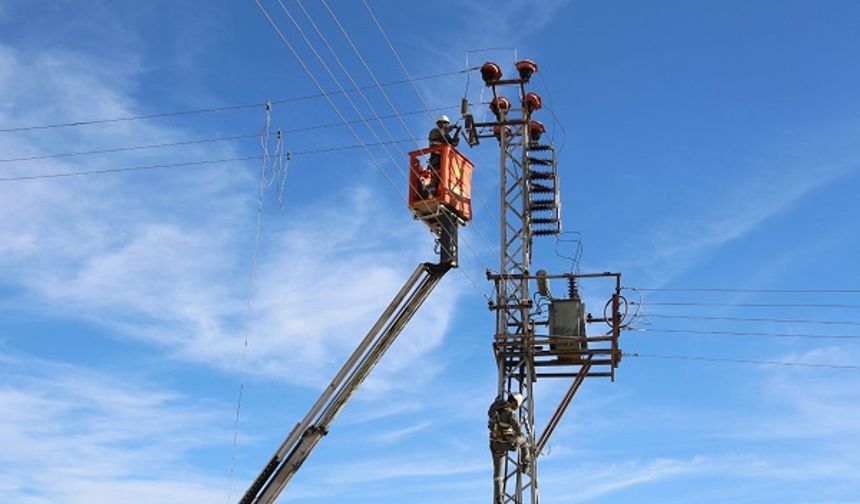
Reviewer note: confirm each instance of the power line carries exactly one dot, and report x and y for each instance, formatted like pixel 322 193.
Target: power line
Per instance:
pixel 131 148
pixel 367 67
pixel 749 305
pixel 763 291
pixel 420 97
pixel 742 361
pixel 349 100
pixel 348 147
pixel 129 169
pixel 753 319
pixel 338 111
pixel 366 101
pixel 189 163
pixel 191 142
pixel 226 108
pixel 737 333
pixel 249 301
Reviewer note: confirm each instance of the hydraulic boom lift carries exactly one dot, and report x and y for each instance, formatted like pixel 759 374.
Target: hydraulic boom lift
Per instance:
pixel 443 212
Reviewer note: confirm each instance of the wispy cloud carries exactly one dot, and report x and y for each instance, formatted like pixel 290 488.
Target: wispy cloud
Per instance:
pixel 811 404
pixel 394 436
pixel 71 434
pixel 594 482
pixel 680 242
pixel 164 260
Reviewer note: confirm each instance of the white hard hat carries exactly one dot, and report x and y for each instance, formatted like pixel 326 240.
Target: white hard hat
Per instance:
pixel 443 118
pixel 518 398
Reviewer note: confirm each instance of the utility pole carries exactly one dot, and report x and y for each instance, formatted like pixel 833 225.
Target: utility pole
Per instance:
pixel 527 340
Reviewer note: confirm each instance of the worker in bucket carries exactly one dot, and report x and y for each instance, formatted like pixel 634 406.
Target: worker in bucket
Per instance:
pixel 442 134
pixel 505 436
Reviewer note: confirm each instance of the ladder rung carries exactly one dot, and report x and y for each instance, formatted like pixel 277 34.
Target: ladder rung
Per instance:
pixel 594 362
pixel 573 375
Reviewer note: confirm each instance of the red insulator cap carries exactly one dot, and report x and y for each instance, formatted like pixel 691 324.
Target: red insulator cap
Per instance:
pixel 536 129
pixel 532 102
pixel 500 104
pixel 491 72
pixel 526 68
pixel 497 130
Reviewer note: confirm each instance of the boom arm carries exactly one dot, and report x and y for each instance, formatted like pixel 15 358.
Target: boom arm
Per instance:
pixel 307 433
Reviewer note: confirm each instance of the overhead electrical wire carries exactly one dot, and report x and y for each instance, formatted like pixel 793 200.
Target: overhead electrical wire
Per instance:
pixel 114 150
pixel 363 62
pixel 556 120
pixel 760 291
pixel 128 169
pixel 741 361
pixel 343 68
pixel 185 163
pixel 397 57
pixel 753 319
pixel 359 113
pixel 424 104
pixel 188 142
pixel 207 110
pixel 370 72
pixel 337 110
pixel 749 305
pixel 659 330
pixel 203 162
pixel 249 301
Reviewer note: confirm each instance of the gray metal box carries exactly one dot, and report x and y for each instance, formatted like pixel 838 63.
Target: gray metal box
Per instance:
pixel 566 328
pixel 567 317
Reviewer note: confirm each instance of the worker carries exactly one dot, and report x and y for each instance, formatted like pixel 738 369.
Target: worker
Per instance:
pixel 440 135
pixel 506 435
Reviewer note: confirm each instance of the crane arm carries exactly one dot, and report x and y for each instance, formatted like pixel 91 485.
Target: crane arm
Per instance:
pixel 306 434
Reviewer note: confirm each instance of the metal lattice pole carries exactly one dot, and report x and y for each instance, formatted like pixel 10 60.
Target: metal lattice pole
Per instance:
pixel 514 330
pixel 561 346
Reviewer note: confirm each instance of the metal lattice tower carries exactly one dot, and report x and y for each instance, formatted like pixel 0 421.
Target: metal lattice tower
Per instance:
pixel 524 343
pixel 513 327
pixel 512 296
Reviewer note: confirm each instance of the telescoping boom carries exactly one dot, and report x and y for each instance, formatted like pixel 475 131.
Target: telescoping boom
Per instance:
pixel 306 434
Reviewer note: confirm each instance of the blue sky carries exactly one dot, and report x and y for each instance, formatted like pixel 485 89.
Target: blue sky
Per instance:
pixel 702 145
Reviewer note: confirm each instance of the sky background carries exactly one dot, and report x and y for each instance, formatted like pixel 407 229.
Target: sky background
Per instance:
pixel 702 145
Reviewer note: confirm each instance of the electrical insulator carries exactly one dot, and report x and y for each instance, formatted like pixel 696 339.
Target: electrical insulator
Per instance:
pixel 532 102
pixel 497 130
pixel 543 284
pixel 526 68
pixel 499 106
pixel 491 72
pixel 572 290
pixel 536 129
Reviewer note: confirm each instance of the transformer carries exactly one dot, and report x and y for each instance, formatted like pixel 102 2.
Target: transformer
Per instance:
pixel 567 330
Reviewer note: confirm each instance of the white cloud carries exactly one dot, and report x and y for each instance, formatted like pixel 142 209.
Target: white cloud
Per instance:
pixel 818 405
pixel 593 481
pixel 162 259
pixel 71 434
pixel 683 241
pixel 328 284
pixel 511 21
pixel 397 435
pixel 377 413
pixel 405 467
